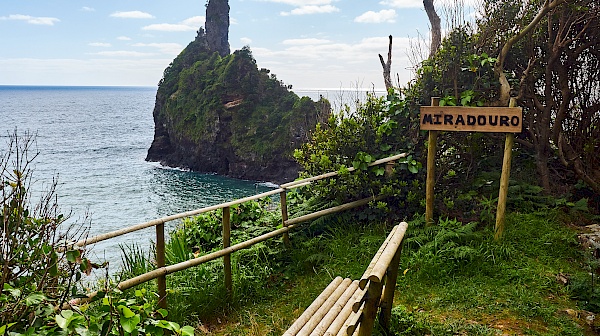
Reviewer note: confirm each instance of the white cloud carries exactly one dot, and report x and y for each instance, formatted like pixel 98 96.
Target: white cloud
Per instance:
pixel 346 64
pixel 402 3
pixel 46 21
pixel 99 44
pixel 301 3
pixel 132 15
pixel 165 48
pixel 384 15
pixel 195 21
pixel 124 38
pixel 99 71
pixel 88 9
pixel 191 24
pixel 245 40
pixel 303 10
pixel 419 3
pixel 123 53
pixel 305 41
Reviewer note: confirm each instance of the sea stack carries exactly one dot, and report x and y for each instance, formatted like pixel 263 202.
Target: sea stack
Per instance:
pixel 217 26
pixel 216 112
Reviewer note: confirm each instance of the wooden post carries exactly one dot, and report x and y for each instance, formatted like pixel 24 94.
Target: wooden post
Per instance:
pixel 503 194
pixel 387 300
pixel 161 281
pixel 429 186
pixel 284 217
pixel 226 244
pixel 370 310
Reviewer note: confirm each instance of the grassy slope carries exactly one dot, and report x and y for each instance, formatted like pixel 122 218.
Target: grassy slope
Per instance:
pixel 506 288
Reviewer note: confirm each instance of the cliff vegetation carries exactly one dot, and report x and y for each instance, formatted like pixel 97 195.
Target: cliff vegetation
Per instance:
pixel 222 114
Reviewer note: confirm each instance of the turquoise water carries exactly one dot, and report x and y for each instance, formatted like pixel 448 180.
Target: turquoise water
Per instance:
pixel 94 140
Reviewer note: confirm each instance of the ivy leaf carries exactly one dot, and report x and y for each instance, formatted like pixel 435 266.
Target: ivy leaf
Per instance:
pixel 187 331
pixel 379 171
pixel 61 321
pixel 72 255
pixel 127 313
pixel 163 312
pixel 385 147
pixel 129 324
pixel 34 299
pixel 15 292
pixel 413 169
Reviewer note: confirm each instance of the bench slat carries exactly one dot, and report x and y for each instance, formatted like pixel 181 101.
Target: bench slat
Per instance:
pixel 352 322
pixel 335 310
pixel 382 260
pixel 363 281
pixel 349 307
pixel 322 311
pixel 386 257
pixel 301 321
pixel 343 316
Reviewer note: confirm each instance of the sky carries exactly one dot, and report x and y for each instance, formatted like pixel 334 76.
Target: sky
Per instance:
pixel 306 43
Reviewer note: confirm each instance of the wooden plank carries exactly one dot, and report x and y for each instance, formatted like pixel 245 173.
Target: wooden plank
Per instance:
pixel 162 220
pixel 331 174
pixel 314 306
pixel 333 210
pixel 343 316
pixel 325 307
pixel 471 119
pixel 386 257
pixel 351 324
pixel 364 279
pixel 335 310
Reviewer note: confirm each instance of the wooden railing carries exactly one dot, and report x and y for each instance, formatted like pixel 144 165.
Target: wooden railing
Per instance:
pixel 162 270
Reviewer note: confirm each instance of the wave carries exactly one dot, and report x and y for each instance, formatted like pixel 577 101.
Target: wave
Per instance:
pixel 159 165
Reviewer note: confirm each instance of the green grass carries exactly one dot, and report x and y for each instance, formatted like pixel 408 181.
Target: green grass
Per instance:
pixel 455 279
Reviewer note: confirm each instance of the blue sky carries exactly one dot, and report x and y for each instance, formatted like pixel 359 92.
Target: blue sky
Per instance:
pixel 306 43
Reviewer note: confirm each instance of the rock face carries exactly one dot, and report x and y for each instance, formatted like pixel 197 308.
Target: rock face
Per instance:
pixel 217 26
pixel 222 114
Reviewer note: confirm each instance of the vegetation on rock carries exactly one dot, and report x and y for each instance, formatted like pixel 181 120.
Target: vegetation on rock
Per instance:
pixel 224 115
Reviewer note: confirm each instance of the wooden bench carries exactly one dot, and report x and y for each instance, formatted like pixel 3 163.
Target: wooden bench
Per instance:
pixel 349 307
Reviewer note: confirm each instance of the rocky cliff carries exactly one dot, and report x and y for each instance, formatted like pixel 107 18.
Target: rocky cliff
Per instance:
pixel 220 113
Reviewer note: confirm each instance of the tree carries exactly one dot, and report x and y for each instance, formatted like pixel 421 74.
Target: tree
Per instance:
pixel 548 56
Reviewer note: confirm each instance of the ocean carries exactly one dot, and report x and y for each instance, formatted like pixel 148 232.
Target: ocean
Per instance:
pixel 94 141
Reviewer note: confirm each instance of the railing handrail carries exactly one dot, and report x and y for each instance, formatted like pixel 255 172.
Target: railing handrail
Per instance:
pixel 162 270
pixel 162 220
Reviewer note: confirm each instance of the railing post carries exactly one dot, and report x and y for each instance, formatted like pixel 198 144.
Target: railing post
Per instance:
pixel 226 244
pixel 284 217
pixel 160 262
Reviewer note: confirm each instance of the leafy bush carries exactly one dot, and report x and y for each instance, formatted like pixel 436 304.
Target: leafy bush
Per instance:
pixel 248 220
pixel 379 127
pixel 42 272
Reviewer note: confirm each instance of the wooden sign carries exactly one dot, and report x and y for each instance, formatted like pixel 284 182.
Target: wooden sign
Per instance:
pixel 471 119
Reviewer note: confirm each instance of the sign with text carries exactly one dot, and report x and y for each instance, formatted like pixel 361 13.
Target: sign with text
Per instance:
pixel 471 119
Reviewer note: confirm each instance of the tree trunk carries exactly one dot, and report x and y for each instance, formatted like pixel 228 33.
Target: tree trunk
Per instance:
pixel 541 162
pixel 436 27
pixel 387 67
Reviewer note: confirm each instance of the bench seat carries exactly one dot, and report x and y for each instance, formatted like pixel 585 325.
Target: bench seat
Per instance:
pixel 349 307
